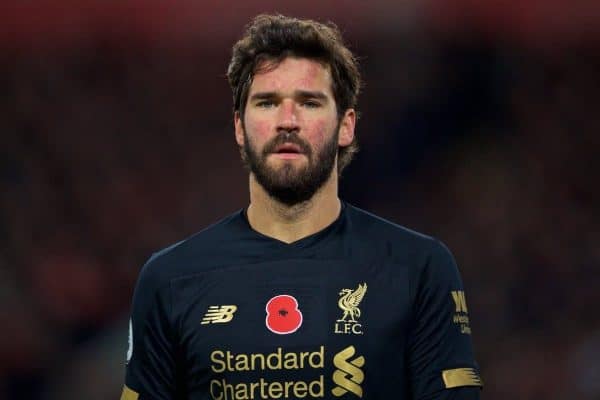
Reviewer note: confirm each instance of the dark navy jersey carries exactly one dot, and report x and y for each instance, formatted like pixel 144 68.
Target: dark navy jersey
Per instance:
pixel 362 309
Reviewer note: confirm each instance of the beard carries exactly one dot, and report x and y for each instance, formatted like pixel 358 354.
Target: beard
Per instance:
pixel 288 183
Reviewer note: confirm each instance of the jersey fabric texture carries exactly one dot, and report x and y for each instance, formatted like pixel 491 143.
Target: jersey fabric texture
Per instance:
pixel 362 309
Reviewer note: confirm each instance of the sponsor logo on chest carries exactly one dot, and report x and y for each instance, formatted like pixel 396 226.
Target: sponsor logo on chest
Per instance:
pixel 242 383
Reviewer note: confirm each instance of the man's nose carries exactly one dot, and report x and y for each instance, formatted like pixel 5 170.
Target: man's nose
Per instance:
pixel 288 116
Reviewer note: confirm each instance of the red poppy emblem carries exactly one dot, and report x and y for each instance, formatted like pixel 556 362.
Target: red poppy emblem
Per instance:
pixel 283 315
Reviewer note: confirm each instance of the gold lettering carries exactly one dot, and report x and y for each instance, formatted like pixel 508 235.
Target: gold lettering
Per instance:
pixel 260 357
pixel 459 300
pixel 230 359
pixel 212 393
pixel 277 356
pixel 337 328
pixel 253 387
pixel 300 389
pixel 262 389
pixel 291 361
pixel 356 329
pixel 347 327
pixel 226 361
pixel 275 390
pixel 228 387
pixel 241 392
pixel 320 358
pixel 215 360
pixel 303 355
pixel 461 319
pixel 287 388
pixel 241 363
pixel 316 388
pixel 263 384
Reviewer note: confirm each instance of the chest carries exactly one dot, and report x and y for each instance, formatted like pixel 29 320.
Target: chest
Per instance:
pixel 304 319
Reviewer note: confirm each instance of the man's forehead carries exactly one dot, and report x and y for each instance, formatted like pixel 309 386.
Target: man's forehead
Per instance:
pixel 292 73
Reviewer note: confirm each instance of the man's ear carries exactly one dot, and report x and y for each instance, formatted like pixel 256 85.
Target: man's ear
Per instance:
pixel 347 124
pixel 239 129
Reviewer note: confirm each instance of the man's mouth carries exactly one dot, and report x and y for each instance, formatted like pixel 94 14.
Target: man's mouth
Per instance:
pixel 288 148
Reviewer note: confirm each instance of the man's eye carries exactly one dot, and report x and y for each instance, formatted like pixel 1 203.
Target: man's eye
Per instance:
pixel 265 104
pixel 311 104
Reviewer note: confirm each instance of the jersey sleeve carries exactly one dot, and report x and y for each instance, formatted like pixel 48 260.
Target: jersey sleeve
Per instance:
pixel 150 370
pixel 439 352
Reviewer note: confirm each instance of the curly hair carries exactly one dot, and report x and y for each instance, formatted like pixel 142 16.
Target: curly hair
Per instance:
pixel 273 38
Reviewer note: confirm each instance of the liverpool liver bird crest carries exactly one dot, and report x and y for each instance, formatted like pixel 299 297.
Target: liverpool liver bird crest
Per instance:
pixel 349 302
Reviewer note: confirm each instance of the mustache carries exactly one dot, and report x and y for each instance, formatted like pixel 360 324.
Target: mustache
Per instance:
pixel 287 137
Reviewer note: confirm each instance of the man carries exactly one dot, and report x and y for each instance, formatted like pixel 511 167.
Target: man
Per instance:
pixel 300 295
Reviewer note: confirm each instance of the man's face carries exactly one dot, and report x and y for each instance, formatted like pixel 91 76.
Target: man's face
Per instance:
pixel 291 132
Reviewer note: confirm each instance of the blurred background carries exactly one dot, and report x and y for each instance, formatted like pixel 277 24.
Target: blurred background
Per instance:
pixel 480 126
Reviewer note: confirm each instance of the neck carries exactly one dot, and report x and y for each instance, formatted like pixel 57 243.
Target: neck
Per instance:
pixel 291 223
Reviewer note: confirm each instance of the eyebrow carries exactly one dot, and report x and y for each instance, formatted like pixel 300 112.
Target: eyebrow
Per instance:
pixel 303 94
pixel 308 94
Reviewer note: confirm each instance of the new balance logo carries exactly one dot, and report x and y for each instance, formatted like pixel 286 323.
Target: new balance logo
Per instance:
pixel 218 314
pixel 348 375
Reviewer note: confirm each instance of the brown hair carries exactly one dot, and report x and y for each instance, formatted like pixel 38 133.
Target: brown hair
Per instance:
pixel 275 37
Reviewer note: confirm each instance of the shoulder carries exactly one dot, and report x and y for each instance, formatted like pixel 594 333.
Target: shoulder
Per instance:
pixel 191 254
pixel 397 239
pixel 427 261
